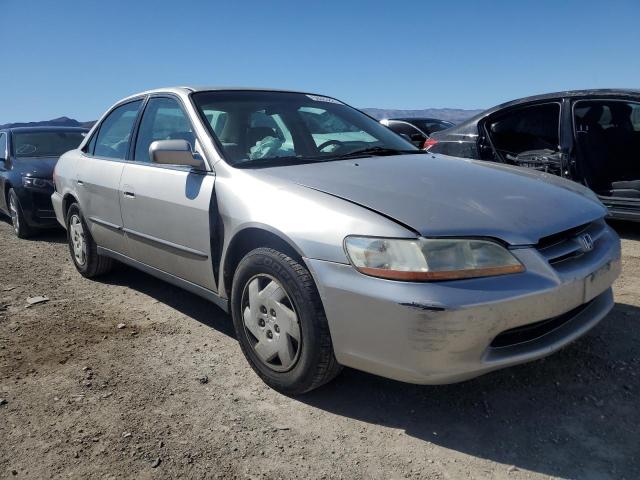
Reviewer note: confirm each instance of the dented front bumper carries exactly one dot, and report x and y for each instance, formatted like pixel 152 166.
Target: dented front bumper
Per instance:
pixel 443 332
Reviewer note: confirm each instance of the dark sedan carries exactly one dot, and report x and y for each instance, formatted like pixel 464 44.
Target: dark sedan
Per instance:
pixel 418 129
pixel 28 156
pixel 589 136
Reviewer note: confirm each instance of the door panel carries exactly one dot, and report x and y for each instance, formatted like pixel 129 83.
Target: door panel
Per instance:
pixel 98 183
pixel 166 220
pixel 99 173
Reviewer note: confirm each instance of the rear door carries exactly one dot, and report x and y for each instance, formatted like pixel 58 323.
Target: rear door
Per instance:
pixel 98 174
pixel 607 150
pixel 165 208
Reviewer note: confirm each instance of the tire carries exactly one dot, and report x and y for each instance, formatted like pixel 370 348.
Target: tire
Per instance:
pixel 20 227
pixel 90 264
pixel 315 363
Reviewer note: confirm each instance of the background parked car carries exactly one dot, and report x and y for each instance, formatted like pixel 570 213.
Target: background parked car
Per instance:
pixel 416 129
pixel 28 156
pixel 590 136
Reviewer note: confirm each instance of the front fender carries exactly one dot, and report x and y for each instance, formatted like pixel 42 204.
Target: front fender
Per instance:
pixel 313 222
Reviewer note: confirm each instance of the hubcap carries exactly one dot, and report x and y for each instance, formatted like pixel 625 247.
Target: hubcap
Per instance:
pixel 13 210
pixel 271 323
pixel 76 234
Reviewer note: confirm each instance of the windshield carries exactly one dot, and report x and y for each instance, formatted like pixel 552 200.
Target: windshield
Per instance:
pixel 431 126
pixel 45 144
pixel 255 127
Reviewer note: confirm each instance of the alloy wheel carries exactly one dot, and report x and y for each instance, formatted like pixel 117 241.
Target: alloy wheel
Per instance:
pixel 76 234
pixel 271 323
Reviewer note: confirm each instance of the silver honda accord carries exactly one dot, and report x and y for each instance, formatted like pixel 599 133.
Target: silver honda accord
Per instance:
pixel 333 241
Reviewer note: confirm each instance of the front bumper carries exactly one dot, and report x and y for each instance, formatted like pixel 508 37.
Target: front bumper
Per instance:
pixel 36 206
pixel 56 201
pixel 444 332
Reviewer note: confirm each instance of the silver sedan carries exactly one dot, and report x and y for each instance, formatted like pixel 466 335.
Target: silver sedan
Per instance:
pixel 332 240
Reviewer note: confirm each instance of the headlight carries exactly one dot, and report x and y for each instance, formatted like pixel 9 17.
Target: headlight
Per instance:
pixel 33 182
pixel 426 259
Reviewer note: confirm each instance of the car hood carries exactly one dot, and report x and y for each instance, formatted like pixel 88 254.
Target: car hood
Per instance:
pixel 41 167
pixel 438 195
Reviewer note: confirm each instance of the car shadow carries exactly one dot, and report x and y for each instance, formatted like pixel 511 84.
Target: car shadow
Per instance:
pixel 181 300
pixel 51 235
pixel 573 414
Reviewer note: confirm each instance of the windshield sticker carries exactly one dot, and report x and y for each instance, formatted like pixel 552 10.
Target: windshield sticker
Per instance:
pixel 318 98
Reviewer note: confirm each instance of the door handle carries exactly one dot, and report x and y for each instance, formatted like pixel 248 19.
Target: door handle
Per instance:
pixel 80 182
pixel 129 194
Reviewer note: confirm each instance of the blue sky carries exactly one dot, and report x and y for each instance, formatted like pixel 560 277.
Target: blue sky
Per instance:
pixel 75 58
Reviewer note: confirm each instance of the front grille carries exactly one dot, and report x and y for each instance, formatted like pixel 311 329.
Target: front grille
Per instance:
pixel 566 245
pixel 533 331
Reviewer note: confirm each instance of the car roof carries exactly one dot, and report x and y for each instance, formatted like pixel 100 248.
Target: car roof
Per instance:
pixel 595 93
pixel 418 119
pixel 44 128
pixel 192 89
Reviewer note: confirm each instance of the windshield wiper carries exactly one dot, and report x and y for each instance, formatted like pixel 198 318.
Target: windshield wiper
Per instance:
pixel 376 152
pixel 301 159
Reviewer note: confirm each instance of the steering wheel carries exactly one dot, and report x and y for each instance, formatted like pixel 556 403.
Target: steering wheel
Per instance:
pixel 324 145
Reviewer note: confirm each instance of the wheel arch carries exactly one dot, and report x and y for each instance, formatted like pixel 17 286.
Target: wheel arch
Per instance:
pixel 249 238
pixel 67 200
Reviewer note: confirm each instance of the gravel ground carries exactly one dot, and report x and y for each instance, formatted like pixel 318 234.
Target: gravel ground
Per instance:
pixel 129 377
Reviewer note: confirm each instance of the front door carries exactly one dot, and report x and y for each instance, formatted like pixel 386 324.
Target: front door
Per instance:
pixel 165 209
pixel 99 172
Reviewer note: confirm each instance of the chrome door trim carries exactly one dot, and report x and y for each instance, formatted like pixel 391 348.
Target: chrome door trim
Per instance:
pixel 104 223
pixel 166 243
pixel 169 278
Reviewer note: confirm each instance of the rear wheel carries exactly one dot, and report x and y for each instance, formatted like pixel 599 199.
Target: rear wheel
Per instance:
pixel 20 227
pixel 280 323
pixel 83 249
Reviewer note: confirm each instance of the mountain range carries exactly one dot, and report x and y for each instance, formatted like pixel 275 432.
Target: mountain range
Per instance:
pixel 56 122
pixel 455 115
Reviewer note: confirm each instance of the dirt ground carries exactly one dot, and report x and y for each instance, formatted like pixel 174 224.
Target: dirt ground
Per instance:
pixel 170 395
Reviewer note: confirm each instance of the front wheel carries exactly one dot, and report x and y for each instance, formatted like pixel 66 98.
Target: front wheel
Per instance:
pixel 280 323
pixel 83 249
pixel 20 227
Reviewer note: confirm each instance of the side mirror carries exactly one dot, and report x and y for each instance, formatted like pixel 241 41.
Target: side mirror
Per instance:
pixel 174 152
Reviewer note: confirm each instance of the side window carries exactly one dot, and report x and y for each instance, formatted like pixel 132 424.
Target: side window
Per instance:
pixel 163 119
pixel 403 128
pixel 114 136
pixel 3 145
pixel 526 129
pixel 607 115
